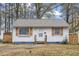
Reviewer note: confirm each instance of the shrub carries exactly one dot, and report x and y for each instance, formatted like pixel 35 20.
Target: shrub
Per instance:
pixel 64 41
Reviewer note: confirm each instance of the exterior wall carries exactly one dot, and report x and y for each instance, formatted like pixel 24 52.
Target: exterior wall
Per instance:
pixel 50 37
pixel 1 36
pixel 21 38
pixel 66 33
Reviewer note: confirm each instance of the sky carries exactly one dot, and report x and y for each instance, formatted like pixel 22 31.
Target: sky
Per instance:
pixel 57 12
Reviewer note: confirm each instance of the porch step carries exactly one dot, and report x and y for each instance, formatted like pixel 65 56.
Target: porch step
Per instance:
pixel 40 42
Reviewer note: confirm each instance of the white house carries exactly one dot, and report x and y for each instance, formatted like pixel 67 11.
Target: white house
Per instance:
pixel 39 30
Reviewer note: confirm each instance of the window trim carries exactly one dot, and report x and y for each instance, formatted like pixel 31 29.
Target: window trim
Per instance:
pixel 54 29
pixel 23 34
pixel 29 34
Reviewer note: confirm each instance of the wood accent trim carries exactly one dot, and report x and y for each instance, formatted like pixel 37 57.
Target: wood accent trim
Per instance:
pixel 30 31
pixel 17 31
pixel 53 30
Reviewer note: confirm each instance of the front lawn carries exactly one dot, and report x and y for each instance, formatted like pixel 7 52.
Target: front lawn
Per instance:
pixel 39 50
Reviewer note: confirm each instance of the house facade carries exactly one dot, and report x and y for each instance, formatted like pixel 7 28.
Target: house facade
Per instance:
pixel 39 30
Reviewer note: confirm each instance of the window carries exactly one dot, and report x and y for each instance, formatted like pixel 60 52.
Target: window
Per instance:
pixel 24 31
pixel 58 31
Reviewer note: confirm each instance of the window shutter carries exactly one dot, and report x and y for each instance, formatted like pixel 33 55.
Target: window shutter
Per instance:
pixel 30 31
pixel 17 31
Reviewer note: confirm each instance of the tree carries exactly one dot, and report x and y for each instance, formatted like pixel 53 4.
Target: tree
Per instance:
pixel 67 12
pixel 5 18
pixel 41 9
pixel 17 10
pixel 70 11
pixel 0 21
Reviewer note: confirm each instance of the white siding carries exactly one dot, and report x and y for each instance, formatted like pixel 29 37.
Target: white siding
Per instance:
pixel 1 36
pixel 20 38
pixel 66 33
pixel 48 31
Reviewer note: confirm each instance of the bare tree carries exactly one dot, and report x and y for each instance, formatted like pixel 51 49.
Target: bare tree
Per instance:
pixel 17 10
pixel 0 21
pixel 5 19
pixel 67 12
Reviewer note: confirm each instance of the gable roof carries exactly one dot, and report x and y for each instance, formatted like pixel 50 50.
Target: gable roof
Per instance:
pixel 39 23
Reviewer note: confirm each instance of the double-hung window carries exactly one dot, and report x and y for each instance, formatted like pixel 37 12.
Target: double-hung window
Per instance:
pixel 24 31
pixel 57 31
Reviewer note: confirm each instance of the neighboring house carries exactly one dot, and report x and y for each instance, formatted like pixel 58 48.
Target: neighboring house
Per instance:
pixel 39 30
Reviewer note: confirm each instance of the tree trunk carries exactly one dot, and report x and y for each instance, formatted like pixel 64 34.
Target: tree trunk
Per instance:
pixel 67 13
pixel 17 10
pixel 9 18
pixel 38 8
pixel 24 12
pixel 5 19
pixel 0 22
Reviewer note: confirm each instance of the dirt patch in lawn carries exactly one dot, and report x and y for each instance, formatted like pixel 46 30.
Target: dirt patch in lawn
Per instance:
pixel 39 50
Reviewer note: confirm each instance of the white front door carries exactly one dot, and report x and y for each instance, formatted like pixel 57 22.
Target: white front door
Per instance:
pixel 40 35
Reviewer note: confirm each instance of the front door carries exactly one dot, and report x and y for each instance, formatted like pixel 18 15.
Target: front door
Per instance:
pixel 40 35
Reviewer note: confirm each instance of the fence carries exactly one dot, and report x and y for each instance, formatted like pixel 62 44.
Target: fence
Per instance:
pixel 73 38
pixel 7 37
